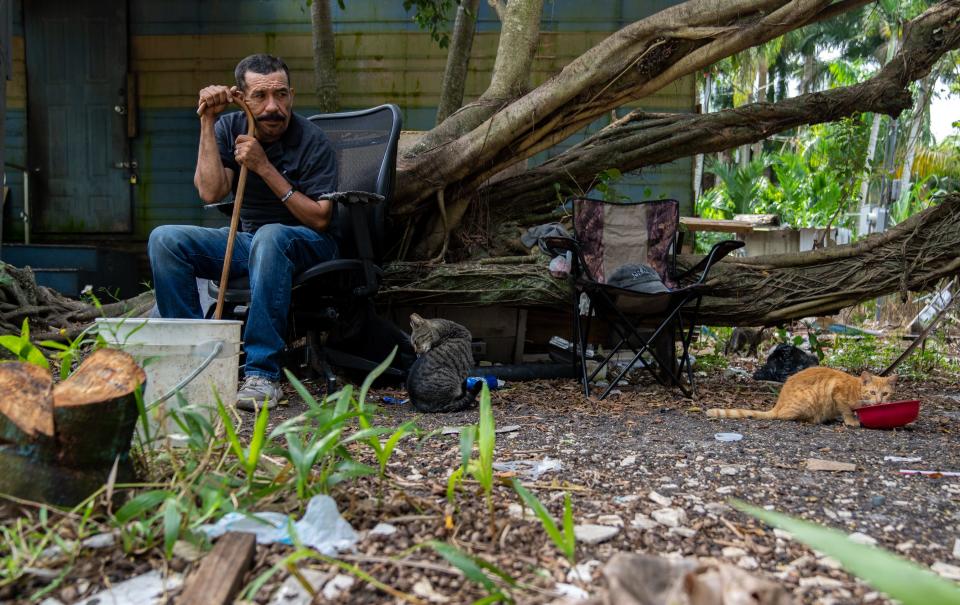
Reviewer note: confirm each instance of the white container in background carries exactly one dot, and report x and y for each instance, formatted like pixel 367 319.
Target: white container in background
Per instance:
pixel 170 350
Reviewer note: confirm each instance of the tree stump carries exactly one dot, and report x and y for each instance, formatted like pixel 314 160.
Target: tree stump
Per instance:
pixel 58 443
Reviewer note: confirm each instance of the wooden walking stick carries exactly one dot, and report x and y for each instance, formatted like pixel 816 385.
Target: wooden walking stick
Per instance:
pixel 237 203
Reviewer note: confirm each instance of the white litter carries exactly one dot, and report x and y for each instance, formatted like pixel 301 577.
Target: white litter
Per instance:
pixel 147 589
pixel 321 528
pixel 530 469
pixel 727 436
pixel 902 458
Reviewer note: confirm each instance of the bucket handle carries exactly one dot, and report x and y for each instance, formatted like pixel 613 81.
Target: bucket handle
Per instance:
pixel 217 347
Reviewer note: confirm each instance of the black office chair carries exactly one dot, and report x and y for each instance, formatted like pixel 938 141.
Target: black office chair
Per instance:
pixel 332 320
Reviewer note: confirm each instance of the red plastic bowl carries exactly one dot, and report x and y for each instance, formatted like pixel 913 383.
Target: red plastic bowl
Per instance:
pixel 889 415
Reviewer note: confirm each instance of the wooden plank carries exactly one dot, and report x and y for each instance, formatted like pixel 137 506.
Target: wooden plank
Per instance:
pixel 221 572
pixel 768 220
pixel 521 336
pixel 715 225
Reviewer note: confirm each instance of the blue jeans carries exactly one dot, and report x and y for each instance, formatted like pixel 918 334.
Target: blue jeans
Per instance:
pixel 272 256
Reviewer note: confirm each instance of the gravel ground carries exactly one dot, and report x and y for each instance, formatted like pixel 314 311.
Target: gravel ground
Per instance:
pixel 624 461
pixel 627 459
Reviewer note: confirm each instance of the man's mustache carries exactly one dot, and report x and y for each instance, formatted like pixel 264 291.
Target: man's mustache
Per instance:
pixel 272 117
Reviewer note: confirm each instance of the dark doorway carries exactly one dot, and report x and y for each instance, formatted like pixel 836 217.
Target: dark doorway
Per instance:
pixel 76 54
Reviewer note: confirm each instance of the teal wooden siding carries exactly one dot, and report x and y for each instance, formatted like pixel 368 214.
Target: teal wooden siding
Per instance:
pixel 177 46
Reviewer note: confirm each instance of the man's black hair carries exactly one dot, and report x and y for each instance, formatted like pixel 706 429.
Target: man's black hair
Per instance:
pixel 259 64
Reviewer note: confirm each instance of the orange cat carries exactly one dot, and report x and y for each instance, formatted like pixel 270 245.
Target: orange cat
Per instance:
pixel 820 394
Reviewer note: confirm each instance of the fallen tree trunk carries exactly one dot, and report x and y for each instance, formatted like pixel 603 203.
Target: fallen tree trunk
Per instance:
pixel 49 312
pixel 753 291
pixel 770 290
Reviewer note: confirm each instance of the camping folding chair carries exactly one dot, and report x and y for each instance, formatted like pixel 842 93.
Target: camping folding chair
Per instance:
pixel 635 236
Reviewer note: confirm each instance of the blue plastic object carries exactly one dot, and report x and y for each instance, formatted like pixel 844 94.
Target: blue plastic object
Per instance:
pixel 490 379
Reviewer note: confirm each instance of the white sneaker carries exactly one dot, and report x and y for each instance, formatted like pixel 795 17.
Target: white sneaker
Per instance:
pixel 257 391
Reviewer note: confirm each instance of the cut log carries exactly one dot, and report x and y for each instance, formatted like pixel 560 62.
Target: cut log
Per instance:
pixel 221 572
pixel 26 402
pixel 95 409
pixel 59 443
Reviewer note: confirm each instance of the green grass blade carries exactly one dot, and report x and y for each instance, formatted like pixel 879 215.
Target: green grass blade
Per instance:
pixel 468 434
pixel 301 390
pixel 369 435
pixel 464 563
pixel 343 402
pixel 549 525
pixel 288 426
pixel 384 455
pixel 231 431
pixel 452 482
pixel 35 356
pixel 570 542
pixel 295 450
pixel 486 440
pixel 899 578
pixel 368 381
pixel 171 525
pixel 141 504
pixel 322 446
pixel 257 440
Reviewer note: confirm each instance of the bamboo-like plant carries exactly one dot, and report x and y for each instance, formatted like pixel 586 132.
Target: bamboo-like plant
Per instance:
pixel 477 570
pixel 564 539
pixel 23 348
pixel 899 578
pixel 480 468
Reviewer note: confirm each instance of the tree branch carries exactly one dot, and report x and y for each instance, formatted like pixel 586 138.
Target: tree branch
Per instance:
pixel 643 139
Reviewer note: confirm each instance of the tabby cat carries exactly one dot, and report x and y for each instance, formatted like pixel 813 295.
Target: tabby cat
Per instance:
pixel 436 380
pixel 819 394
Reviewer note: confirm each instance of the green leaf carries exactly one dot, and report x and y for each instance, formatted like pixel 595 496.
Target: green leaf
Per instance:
pixel 464 563
pixel 899 578
pixel 368 381
pixel 570 544
pixel 349 469
pixel 343 402
pixel 549 525
pixel 33 355
pixel 301 390
pixel 468 434
pixel 392 441
pixel 232 439
pixel 257 440
pixel 11 343
pixel 452 482
pixel 486 440
pixel 141 504
pixel 171 525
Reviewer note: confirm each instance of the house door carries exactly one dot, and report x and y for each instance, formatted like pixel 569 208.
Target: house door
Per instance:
pixel 76 55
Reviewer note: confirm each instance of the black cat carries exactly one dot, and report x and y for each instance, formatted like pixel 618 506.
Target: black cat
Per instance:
pixel 785 361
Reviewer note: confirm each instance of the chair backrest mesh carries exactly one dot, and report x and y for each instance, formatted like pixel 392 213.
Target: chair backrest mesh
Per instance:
pixel 366 146
pixel 613 234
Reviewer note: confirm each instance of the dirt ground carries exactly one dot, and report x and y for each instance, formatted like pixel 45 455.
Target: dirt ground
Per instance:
pixel 621 460
pixel 614 454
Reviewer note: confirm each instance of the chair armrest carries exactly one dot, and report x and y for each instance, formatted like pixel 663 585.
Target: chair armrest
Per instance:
pixel 351 198
pixel 225 208
pixel 719 250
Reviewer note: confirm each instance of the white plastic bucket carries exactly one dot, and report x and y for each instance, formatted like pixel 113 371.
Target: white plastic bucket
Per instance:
pixel 202 353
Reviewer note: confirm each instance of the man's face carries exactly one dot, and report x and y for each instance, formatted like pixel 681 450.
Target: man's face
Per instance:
pixel 270 99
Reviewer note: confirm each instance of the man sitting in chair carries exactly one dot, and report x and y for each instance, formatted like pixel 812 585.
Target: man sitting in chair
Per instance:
pixel 286 225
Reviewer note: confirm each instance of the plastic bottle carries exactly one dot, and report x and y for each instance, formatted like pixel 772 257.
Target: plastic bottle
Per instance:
pixel 492 382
